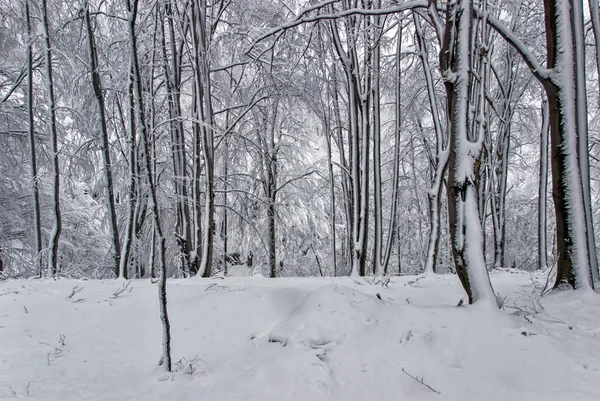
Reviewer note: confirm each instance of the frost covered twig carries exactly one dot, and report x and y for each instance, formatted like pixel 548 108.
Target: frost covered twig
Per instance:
pixel 413 282
pixel 122 289
pixel 547 286
pixel 74 291
pixel 420 381
pixel 187 366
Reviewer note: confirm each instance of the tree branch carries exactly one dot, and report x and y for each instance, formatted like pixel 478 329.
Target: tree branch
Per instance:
pixel 542 74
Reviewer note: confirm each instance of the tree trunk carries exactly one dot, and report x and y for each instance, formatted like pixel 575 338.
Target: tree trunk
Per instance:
pixel 172 72
pixel 573 268
pixel 162 283
pixel 200 37
pixel 331 200
pixel 132 201
pixel 543 188
pixel 37 225
pixel 56 230
pixel 582 135
pixel 441 158
pixel 465 226
pixel 108 181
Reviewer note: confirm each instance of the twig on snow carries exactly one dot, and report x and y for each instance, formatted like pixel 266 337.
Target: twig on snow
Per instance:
pixel 124 287
pixel 74 291
pixel 420 381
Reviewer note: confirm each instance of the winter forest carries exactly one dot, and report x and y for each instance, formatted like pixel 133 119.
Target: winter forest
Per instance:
pixel 311 175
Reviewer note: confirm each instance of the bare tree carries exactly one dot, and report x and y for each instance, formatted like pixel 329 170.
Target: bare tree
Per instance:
pixel 132 9
pixel 543 188
pixel 56 230
pixel 37 225
pixel 99 95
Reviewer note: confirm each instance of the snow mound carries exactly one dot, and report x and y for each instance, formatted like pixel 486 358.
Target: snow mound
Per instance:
pixel 319 319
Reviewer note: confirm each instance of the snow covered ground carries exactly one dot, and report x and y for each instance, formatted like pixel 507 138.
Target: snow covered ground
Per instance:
pixel 298 339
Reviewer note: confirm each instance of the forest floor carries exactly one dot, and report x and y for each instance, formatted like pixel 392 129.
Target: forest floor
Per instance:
pixel 305 339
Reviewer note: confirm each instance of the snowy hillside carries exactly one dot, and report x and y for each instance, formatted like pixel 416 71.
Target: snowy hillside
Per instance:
pixel 298 339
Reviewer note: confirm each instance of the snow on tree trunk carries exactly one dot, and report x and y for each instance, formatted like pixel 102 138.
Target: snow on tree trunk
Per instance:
pixel 572 242
pixel 543 188
pixel 465 225
pixel 582 134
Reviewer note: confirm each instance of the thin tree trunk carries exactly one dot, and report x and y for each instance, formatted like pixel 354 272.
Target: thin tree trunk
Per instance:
pixel 543 188
pixel 37 225
pixel 110 198
pixel 441 158
pixel 345 173
pixel 378 269
pixel 331 200
pixel 202 83
pixel 172 72
pixel 132 202
pixel 162 283
pixel 56 230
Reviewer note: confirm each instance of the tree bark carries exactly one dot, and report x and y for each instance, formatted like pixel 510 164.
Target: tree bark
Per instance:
pixel 37 225
pixel 465 227
pixel 141 119
pixel 57 229
pixel 543 188
pixel 573 268
pixel 108 181
pixel 132 201
pixel 441 158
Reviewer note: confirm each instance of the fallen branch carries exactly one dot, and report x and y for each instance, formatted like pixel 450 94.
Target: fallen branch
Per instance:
pixel 420 381
pixel 74 291
pixel 119 291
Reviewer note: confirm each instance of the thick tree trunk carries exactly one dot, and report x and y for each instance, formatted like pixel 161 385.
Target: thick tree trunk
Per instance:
pixel 37 225
pixel 573 268
pixel 56 230
pixel 108 181
pixel 465 226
